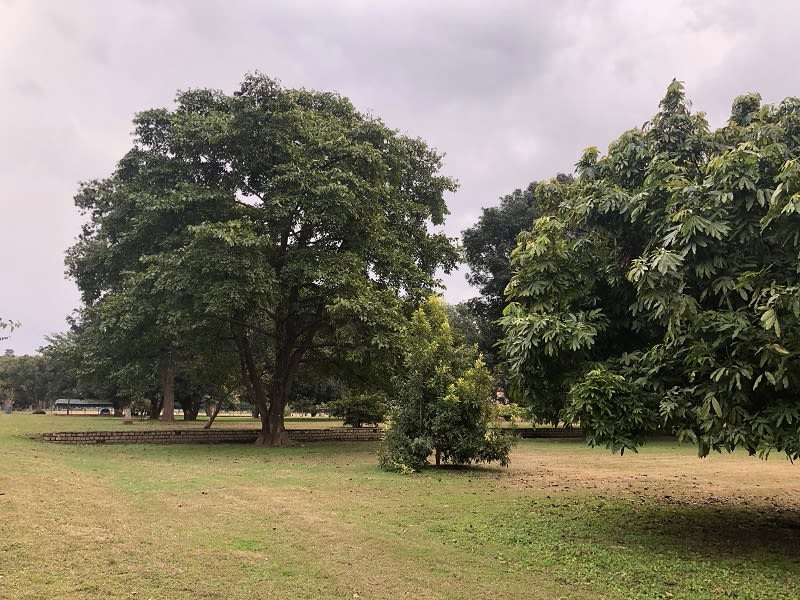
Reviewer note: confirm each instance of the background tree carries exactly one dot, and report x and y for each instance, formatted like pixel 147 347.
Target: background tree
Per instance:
pixel 313 394
pixel 467 327
pixel 443 400
pixel 286 216
pixel 663 293
pixel 356 410
pixel 487 249
pixel 60 369
pixel 25 380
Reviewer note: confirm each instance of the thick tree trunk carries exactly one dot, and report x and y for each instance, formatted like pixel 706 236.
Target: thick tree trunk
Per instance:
pixel 273 430
pixel 168 392
pixel 284 372
pixel 191 409
pixel 287 363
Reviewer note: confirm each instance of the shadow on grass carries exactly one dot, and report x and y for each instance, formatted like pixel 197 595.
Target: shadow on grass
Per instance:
pixel 477 469
pixel 721 530
pixel 708 529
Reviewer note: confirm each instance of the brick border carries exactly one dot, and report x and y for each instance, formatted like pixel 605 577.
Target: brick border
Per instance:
pixel 248 436
pixel 207 436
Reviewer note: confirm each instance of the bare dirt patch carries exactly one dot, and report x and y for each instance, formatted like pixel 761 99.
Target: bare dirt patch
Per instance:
pixel 664 472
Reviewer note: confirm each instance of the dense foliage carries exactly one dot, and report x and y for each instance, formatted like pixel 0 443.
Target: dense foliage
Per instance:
pixel 357 410
pixel 443 403
pixel 35 382
pixel 280 227
pixel 487 251
pixel 662 292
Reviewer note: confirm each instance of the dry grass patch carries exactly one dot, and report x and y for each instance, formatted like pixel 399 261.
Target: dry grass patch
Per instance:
pixel 321 521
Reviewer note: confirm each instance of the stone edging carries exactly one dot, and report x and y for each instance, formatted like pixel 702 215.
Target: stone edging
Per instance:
pixel 207 436
pixel 248 436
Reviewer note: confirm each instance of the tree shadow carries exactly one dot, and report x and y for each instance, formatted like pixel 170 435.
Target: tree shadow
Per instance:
pixel 714 529
pixel 472 469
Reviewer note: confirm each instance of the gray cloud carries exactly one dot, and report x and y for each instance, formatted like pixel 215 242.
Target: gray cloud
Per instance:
pixel 512 91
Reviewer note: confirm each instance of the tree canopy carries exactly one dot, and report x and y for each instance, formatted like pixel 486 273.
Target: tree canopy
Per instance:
pixel 282 222
pixel 487 251
pixel 662 292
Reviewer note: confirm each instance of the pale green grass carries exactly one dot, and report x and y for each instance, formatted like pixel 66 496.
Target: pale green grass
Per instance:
pixel 321 521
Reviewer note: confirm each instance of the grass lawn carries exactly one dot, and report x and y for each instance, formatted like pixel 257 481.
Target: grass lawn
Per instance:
pixel 321 521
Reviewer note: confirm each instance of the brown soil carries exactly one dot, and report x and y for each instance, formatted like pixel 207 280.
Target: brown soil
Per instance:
pixel 677 476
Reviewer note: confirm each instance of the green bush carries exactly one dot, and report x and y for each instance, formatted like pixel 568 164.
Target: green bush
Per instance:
pixel 443 403
pixel 359 409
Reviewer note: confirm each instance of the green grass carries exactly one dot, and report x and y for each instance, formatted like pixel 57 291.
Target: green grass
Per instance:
pixel 321 521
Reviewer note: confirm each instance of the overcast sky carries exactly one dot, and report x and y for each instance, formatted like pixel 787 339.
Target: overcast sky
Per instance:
pixel 511 91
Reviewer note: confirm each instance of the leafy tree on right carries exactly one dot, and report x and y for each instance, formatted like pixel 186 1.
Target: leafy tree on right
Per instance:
pixel 663 291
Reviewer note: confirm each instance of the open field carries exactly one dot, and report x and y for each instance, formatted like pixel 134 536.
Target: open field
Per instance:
pixel 321 521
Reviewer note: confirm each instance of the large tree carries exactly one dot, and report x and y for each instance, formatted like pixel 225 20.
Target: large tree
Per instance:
pixel 307 240
pixel 664 291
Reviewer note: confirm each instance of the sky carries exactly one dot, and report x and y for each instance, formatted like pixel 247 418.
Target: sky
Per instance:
pixel 511 92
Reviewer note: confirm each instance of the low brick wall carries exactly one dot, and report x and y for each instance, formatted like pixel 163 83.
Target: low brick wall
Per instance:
pixel 207 436
pixel 248 436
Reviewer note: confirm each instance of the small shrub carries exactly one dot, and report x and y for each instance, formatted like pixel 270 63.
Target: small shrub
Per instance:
pixel 443 403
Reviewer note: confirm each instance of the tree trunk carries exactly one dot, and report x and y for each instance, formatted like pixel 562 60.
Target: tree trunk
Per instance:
pixel 155 408
pixel 273 430
pixel 168 392
pixel 213 416
pixel 253 383
pixel 191 408
pixel 286 365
